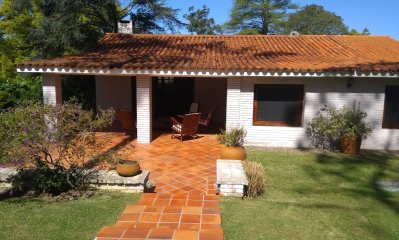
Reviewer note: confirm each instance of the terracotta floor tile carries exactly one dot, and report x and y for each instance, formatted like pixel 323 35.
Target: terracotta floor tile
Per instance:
pixel 190 226
pixel 153 209
pixel 170 217
pixel 136 233
pixel 162 202
pixel 191 210
pixel 190 218
pixel 184 175
pixel 161 233
pixel 134 208
pixel 111 232
pixel 192 203
pixel 128 217
pixel 185 235
pixel 210 210
pixel 172 209
pixel 210 226
pixel 178 202
pixel 169 225
pixel 146 201
pixel 145 225
pixel 149 217
pixel 211 234
pixel 211 204
pixel 211 219
pixel 125 224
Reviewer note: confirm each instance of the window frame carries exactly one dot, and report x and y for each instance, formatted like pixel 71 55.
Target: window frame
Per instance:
pixel 385 124
pixel 299 105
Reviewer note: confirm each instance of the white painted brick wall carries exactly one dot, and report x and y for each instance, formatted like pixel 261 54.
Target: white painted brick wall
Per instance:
pixel 144 109
pixel 233 103
pixel 115 92
pixel 318 92
pixel 52 89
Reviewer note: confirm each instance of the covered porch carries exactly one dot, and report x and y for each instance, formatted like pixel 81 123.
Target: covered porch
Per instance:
pixel 151 100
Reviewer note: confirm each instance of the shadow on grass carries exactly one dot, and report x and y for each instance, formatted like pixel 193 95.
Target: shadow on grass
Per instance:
pixel 353 169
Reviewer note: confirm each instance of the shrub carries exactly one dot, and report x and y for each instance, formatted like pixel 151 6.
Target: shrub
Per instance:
pixel 330 125
pixel 233 138
pixel 256 179
pixel 52 143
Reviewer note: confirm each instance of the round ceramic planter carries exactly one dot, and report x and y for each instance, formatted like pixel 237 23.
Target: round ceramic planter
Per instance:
pixel 236 153
pixel 126 168
pixel 351 145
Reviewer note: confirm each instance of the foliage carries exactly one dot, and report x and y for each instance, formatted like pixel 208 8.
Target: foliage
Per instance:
pixel 15 44
pixel 53 180
pixel 80 89
pixel 58 27
pixel 264 16
pixel 235 137
pixel 365 32
pixel 256 179
pixel 330 124
pixel 315 20
pixel 20 89
pixel 200 23
pixel 153 16
pixel 61 136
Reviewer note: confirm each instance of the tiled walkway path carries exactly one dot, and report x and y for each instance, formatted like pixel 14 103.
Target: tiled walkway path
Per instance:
pixel 185 205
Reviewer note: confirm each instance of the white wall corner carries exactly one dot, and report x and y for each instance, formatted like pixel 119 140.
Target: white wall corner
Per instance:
pixel 144 108
pixel 233 118
pixel 52 89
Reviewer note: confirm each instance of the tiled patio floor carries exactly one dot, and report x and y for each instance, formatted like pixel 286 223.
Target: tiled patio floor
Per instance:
pixel 185 205
pixel 175 167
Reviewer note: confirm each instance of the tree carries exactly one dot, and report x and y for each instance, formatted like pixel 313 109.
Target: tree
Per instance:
pixel 314 19
pixel 365 32
pixel 153 16
pixel 200 23
pixel 68 27
pixel 264 16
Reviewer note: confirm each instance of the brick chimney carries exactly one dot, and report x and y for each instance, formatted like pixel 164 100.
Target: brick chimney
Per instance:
pixel 125 26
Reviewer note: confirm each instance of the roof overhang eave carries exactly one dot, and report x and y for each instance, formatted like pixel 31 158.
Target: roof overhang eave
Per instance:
pixel 204 73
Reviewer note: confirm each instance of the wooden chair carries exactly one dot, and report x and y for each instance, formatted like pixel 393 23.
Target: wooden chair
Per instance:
pixel 205 123
pixel 188 127
pixel 126 119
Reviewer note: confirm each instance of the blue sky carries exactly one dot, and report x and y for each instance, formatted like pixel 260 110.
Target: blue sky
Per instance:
pixel 380 17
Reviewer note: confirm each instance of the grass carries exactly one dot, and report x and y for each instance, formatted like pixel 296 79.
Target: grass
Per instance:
pixel 317 196
pixel 79 219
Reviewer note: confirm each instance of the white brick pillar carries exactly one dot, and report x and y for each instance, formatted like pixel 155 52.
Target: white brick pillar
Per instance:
pixel 144 109
pixel 52 89
pixel 233 102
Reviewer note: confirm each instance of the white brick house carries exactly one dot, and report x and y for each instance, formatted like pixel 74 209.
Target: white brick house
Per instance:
pixel 271 85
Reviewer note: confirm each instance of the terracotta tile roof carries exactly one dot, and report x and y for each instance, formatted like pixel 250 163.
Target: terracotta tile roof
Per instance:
pixel 235 53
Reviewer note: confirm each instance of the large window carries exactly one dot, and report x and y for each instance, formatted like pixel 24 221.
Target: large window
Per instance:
pixel 391 107
pixel 278 105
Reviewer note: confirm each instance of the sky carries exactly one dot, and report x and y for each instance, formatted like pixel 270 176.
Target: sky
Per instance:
pixel 380 17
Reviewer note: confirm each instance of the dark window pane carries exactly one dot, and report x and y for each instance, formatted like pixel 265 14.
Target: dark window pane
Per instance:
pixel 391 114
pixel 279 103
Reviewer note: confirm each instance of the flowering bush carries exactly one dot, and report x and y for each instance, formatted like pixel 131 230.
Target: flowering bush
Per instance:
pixel 61 137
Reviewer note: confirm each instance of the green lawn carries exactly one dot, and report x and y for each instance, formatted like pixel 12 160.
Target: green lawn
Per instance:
pixel 317 196
pixel 79 219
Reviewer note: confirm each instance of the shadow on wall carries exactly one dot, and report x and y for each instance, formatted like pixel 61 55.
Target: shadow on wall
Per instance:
pixel 335 169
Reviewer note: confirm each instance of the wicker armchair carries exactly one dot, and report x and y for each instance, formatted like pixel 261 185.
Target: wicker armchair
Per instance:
pixel 188 127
